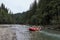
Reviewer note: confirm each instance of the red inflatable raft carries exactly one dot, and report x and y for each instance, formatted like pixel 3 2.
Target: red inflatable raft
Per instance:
pixel 34 29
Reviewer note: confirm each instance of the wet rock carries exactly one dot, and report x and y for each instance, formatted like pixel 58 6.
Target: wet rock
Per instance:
pixel 7 34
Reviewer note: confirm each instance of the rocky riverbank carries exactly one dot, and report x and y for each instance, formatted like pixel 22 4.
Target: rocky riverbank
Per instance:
pixel 7 34
pixel 53 27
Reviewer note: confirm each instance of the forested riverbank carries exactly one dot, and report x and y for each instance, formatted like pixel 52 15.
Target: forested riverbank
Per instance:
pixel 45 12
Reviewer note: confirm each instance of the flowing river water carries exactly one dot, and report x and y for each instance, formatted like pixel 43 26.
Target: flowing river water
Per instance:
pixel 22 33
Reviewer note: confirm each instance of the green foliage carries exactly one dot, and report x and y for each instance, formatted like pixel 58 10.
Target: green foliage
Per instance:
pixel 46 12
pixel 4 15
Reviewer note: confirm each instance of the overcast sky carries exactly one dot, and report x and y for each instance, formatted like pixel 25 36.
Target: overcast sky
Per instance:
pixel 17 5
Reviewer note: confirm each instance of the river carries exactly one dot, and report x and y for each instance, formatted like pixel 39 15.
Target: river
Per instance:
pixel 22 33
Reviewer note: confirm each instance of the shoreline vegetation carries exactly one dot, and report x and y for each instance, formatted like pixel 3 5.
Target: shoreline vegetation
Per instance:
pixel 53 27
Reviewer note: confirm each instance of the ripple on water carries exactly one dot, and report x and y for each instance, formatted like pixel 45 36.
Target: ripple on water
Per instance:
pixel 50 34
pixel 22 33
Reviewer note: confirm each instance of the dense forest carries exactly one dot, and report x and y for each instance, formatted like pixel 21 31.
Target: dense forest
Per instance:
pixel 45 12
pixel 5 17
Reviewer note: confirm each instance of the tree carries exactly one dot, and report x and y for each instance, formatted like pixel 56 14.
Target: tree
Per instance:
pixel 2 6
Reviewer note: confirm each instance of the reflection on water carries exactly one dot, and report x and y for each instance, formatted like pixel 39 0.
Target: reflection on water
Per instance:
pixel 22 33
